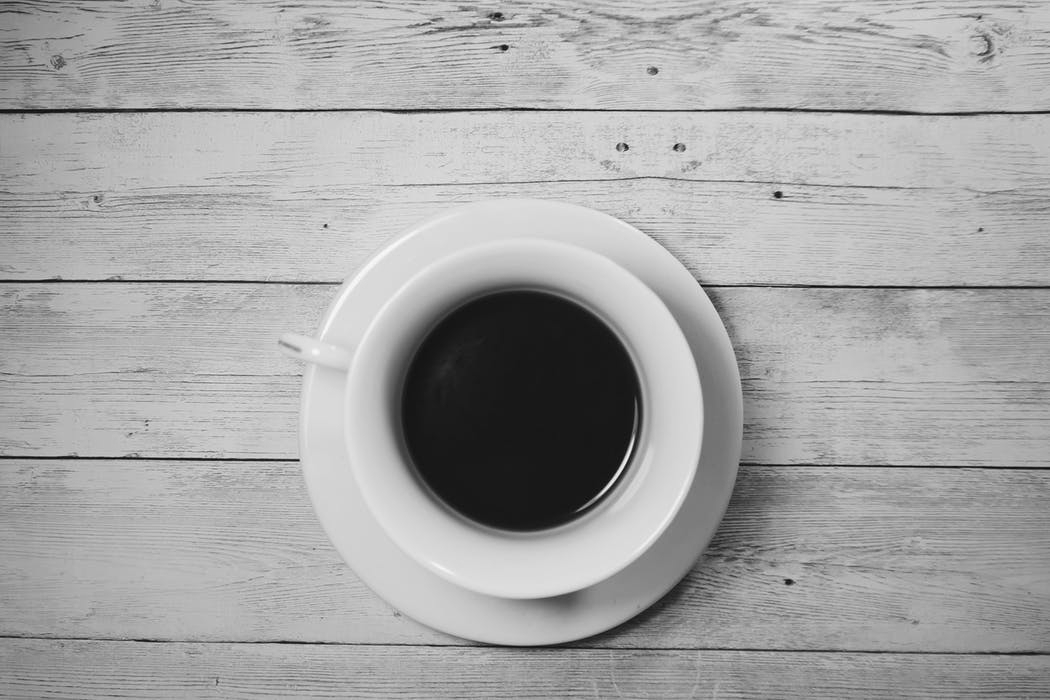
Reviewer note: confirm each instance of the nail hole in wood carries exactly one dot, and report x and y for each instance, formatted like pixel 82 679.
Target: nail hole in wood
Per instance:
pixel 778 194
pixel 621 147
pixel 325 226
pixel 789 582
pixel 652 70
pixel 496 16
pixel 679 147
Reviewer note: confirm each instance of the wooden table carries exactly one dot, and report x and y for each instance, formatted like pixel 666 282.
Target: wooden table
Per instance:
pixel 862 188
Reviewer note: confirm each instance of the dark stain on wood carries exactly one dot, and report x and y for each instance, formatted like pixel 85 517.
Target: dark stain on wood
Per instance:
pixel 987 51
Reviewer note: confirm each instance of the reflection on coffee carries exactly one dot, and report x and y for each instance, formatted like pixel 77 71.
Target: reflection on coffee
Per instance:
pixel 520 410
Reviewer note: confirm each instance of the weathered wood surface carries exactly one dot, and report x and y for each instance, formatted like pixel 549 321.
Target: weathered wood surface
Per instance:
pixel 85 670
pixel 831 376
pixel 897 559
pixel 826 551
pixel 613 54
pixel 725 233
pixel 104 153
pixel 883 200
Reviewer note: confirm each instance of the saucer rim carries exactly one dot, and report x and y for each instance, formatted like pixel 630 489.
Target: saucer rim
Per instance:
pixel 409 586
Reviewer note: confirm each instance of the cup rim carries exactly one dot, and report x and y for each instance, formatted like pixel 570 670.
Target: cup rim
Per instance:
pixel 590 548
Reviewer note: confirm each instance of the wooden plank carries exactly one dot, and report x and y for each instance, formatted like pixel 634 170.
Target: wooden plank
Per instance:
pixel 817 558
pixel 863 200
pixel 97 669
pixel 831 376
pixel 615 54
pixel 725 233
pixel 113 153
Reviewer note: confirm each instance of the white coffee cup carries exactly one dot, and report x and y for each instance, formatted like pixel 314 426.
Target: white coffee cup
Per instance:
pixel 548 562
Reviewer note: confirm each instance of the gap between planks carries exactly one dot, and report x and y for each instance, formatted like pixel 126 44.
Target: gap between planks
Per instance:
pixel 458 110
pixel 476 645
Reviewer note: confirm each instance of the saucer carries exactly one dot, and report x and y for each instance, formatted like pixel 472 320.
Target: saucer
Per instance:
pixel 435 601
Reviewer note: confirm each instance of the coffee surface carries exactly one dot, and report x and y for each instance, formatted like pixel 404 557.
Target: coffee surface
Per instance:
pixel 519 409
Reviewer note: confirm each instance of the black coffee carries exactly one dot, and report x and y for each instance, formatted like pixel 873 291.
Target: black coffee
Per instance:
pixel 519 410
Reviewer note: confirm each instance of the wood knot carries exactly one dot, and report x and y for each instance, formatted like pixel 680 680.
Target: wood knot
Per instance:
pixel 984 47
pixel 652 70
pixel 622 147
pixel 990 39
pixel 57 62
pixel 678 148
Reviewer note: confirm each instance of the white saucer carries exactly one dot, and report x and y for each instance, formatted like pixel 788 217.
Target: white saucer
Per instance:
pixel 438 603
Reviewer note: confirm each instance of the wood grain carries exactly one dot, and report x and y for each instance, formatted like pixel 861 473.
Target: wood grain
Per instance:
pixel 818 558
pixel 831 376
pixel 824 554
pixel 615 54
pixel 147 670
pixel 111 153
pixel 85 670
pixel 724 233
pixel 863 200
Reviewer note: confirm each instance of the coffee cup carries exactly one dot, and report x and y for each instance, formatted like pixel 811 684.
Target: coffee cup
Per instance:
pixel 469 541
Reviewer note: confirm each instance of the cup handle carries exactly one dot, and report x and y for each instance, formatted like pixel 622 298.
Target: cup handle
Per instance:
pixel 307 349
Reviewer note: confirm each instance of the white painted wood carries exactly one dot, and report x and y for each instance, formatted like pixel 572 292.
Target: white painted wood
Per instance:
pixel 816 559
pixel 308 151
pixel 879 200
pixel 830 558
pixel 831 376
pixel 725 233
pixel 92 669
pixel 612 54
